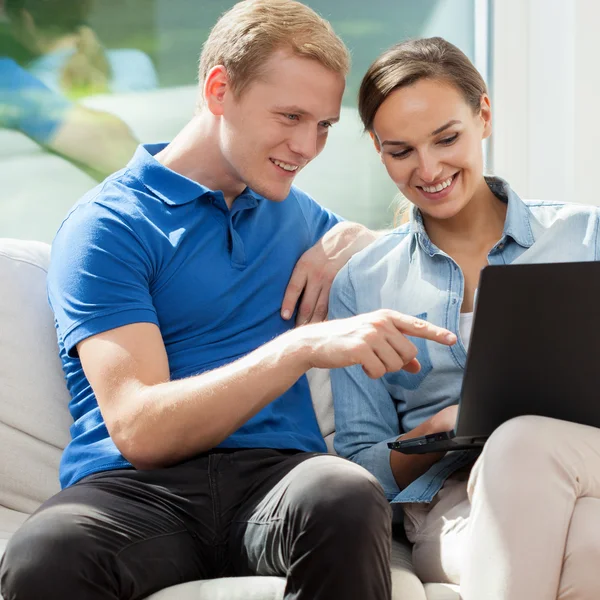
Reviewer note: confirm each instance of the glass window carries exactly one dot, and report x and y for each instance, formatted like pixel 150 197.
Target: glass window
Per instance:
pixel 83 81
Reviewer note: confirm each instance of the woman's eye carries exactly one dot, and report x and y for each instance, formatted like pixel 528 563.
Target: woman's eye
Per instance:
pixel 402 154
pixel 449 140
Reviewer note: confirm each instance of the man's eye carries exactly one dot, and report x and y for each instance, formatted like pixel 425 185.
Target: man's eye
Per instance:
pixel 291 116
pixel 326 124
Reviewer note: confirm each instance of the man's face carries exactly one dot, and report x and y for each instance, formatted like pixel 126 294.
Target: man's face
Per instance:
pixel 279 123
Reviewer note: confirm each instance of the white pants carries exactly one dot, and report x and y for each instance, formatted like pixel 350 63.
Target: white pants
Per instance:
pixel 526 524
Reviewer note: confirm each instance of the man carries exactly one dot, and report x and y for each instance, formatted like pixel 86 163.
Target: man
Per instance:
pixel 195 449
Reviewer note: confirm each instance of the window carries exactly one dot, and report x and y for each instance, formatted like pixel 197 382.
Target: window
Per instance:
pixel 137 74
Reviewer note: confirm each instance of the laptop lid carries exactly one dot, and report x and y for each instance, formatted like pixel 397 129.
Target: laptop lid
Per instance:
pixel 535 346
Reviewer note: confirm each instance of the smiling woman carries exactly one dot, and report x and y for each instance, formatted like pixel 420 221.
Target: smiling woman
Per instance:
pixel 427 110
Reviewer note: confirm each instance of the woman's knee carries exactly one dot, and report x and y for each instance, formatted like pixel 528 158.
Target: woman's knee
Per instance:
pixel 521 436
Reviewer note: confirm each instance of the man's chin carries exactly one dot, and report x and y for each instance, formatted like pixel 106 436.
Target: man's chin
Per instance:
pixel 275 195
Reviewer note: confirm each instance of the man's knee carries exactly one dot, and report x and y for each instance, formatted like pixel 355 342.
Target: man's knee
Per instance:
pixel 50 552
pixel 339 493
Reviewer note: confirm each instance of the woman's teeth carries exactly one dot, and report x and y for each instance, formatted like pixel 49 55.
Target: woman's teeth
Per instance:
pixel 439 187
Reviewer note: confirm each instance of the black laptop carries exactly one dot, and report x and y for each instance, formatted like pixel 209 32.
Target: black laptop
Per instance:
pixel 534 350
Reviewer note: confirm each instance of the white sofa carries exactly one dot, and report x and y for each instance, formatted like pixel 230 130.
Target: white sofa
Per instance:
pixel 34 427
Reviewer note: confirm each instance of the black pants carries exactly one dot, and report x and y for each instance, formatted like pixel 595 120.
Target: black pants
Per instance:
pixel 321 521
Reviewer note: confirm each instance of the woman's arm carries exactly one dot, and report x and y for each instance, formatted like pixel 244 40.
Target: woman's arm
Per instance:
pixel 408 467
pixel 366 418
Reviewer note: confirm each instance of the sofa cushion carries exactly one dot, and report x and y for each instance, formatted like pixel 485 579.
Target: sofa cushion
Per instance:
pixel 34 417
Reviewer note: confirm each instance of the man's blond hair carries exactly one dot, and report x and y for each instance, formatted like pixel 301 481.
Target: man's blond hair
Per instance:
pixel 246 36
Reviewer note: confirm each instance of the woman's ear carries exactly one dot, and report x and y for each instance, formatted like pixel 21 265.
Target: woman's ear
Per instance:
pixel 485 114
pixel 375 142
pixel 215 86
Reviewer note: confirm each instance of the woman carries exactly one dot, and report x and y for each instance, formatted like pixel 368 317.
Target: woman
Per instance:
pixel 524 522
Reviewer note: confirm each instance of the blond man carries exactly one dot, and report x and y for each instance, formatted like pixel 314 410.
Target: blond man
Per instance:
pixel 195 450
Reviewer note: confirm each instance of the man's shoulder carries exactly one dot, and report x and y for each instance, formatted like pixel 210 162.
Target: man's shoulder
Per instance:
pixel 117 203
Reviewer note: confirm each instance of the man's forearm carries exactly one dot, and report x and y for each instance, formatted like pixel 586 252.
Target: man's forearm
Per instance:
pixel 178 419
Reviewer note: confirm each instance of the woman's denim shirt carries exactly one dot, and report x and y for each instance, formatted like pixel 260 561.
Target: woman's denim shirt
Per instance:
pixel 406 272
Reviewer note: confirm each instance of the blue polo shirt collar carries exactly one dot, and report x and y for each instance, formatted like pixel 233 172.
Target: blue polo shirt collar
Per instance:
pixel 171 187
pixel 175 189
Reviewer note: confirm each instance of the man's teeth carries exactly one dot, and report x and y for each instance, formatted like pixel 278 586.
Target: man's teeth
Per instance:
pixel 284 165
pixel 439 187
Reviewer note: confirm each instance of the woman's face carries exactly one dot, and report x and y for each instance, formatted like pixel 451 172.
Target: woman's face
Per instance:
pixel 429 140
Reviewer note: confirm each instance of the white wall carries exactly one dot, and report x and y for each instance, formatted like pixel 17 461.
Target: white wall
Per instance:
pixel 546 89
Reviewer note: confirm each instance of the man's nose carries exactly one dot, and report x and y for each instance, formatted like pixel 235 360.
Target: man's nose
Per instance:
pixel 304 142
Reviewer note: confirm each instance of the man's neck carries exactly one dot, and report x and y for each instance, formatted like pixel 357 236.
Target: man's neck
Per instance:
pixel 196 154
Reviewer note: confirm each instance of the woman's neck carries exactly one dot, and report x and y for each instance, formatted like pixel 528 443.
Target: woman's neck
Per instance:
pixel 476 228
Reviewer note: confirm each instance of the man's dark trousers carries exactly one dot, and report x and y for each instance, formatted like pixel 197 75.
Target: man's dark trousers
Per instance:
pixel 320 520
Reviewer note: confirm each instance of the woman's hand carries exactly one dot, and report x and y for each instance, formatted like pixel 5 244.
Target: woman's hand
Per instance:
pixel 444 420
pixel 408 467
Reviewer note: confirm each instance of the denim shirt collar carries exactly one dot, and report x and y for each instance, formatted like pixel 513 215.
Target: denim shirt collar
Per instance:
pixel 518 224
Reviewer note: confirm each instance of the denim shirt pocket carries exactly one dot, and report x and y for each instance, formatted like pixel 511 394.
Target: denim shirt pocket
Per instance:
pixel 411 381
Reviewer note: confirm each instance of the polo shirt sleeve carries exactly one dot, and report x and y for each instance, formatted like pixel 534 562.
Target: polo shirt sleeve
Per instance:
pixel 27 105
pixel 100 275
pixel 319 220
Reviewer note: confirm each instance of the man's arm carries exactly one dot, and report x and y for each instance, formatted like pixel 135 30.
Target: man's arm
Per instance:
pixel 156 422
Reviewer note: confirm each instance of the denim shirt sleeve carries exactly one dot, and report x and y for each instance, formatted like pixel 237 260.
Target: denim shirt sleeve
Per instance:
pixel 365 414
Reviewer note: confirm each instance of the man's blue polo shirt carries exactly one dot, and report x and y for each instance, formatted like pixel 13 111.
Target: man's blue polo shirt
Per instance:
pixel 149 245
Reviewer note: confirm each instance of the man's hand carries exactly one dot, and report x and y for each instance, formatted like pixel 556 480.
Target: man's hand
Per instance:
pixel 375 340
pixel 316 269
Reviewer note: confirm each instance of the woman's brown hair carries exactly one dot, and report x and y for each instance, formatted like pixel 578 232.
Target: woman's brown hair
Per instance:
pixel 408 62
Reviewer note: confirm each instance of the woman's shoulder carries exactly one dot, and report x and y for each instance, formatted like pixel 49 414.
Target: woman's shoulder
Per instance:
pixel 387 256
pixel 548 212
pixel 388 246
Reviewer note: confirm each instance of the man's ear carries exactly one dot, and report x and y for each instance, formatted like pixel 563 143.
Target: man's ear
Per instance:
pixel 215 86
pixel 486 116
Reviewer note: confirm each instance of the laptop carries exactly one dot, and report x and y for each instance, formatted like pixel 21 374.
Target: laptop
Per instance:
pixel 534 350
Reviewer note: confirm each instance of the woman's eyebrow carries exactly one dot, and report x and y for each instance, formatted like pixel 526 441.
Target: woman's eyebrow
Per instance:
pixel 438 130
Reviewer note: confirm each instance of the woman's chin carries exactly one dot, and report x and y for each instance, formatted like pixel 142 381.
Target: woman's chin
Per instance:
pixel 441 212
